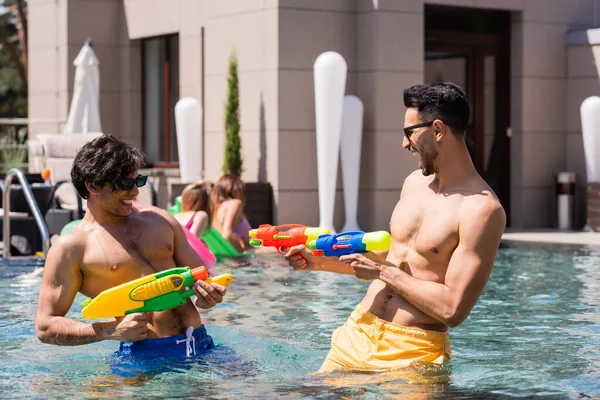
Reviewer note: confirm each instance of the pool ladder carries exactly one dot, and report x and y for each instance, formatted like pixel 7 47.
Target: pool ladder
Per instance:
pixel 37 215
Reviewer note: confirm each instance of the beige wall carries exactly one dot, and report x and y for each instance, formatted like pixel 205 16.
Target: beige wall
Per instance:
pixel 381 64
pixel 48 70
pixel 379 67
pixel 248 28
pixel 57 30
pixel 539 104
pixel 276 42
pixel 583 71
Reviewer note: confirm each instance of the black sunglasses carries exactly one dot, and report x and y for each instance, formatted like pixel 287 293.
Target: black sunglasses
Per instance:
pixel 127 183
pixel 408 131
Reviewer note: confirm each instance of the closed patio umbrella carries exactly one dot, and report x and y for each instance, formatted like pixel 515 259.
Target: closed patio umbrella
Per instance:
pixel 84 114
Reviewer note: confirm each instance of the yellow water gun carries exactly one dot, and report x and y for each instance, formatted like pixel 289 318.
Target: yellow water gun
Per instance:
pixel 157 292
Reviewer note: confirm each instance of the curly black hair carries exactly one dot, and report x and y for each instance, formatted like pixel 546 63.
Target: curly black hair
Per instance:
pixel 440 100
pixel 105 159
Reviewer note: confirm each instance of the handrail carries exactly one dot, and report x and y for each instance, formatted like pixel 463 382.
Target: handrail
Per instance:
pixel 37 215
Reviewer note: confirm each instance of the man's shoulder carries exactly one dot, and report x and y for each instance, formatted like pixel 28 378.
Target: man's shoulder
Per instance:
pixel 150 211
pixel 414 178
pixel 155 215
pixel 483 204
pixel 71 244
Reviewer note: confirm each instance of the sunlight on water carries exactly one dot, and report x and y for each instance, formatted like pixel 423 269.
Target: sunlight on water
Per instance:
pixel 535 331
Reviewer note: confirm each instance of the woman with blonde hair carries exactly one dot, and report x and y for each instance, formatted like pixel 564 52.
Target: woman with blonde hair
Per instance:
pixel 227 202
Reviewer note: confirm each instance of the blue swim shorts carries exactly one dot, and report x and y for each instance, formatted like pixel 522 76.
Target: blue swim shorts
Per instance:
pixel 193 342
pixel 193 350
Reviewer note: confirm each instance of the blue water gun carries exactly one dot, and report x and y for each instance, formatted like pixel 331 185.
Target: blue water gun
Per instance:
pixel 350 242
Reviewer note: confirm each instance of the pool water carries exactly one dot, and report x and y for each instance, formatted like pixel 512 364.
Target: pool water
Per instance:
pixel 534 332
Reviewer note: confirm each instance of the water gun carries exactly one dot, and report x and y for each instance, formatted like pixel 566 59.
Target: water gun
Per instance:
pixel 157 292
pixel 350 243
pixel 284 236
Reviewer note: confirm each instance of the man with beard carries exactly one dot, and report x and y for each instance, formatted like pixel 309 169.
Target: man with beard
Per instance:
pixel 446 229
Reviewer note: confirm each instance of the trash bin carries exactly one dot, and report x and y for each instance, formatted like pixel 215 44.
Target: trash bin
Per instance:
pixel 565 199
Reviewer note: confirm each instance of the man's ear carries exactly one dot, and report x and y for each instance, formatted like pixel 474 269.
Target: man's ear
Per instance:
pixel 441 129
pixel 92 188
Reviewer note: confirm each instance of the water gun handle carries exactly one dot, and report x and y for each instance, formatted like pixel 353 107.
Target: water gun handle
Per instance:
pixel 223 280
pixel 201 274
pixel 283 250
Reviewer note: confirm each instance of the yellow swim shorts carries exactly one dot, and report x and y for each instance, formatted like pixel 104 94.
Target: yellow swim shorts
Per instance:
pixel 368 343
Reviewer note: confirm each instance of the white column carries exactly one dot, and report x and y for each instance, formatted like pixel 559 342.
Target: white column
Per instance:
pixel 330 84
pixel 352 123
pixel 590 125
pixel 188 124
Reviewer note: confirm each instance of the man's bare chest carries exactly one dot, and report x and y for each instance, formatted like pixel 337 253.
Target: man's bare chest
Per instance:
pixel 427 224
pixel 141 246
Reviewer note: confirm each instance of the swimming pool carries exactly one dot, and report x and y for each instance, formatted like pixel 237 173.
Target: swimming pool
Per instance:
pixel 535 331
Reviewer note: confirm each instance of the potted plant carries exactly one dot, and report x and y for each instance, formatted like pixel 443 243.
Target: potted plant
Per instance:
pixel 259 195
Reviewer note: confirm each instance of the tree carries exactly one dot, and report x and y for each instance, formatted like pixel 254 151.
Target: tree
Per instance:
pixel 233 145
pixel 13 58
pixel 13 33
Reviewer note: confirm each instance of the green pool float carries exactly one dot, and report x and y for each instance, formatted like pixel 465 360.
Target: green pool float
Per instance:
pixel 215 242
pixel 67 228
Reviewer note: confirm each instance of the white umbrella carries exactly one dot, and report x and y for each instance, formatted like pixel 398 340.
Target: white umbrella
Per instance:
pixel 84 114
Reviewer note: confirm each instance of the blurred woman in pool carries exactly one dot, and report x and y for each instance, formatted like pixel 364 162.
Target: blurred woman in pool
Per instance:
pixel 228 201
pixel 196 209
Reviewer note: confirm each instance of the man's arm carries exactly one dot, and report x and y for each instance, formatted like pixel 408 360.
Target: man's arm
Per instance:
pixel 61 281
pixel 301 258
pixel 470 266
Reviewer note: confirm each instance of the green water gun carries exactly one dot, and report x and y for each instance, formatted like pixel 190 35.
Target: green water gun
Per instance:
pixel 157 292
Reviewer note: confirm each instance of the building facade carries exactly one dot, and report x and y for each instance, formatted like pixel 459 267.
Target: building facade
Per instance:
pixel 526 66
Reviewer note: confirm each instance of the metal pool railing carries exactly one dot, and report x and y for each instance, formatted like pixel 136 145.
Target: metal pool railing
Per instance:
pixel 37 215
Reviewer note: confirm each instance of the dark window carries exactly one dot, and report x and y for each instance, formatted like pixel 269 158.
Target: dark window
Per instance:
pixel 160 71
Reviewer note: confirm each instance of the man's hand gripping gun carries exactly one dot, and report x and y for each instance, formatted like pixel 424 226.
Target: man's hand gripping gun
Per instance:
pixel 157 292
pixel 350 243
pixel 282 237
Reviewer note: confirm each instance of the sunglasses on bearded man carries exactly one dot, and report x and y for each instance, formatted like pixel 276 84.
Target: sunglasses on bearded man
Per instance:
pixel 127 183
pixel 408 131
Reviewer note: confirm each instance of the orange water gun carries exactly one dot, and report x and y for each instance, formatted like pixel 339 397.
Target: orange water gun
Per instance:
pixel 283 237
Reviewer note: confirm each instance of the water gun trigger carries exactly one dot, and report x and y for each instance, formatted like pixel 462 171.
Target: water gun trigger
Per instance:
pixel 282 249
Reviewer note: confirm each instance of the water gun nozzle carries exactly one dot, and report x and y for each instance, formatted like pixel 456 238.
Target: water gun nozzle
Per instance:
pixel 200 273
pixel 255 242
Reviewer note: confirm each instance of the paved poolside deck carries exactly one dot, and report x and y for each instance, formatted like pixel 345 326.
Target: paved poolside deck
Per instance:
pixel 552 236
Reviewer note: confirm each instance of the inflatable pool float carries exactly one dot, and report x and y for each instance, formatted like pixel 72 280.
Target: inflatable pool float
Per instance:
pixel 217 244
pixel 68 227
pixel 198 245
pixel 220 246
pixel 202 250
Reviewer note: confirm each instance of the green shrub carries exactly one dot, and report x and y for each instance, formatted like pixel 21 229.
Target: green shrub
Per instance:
pixel 233 143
